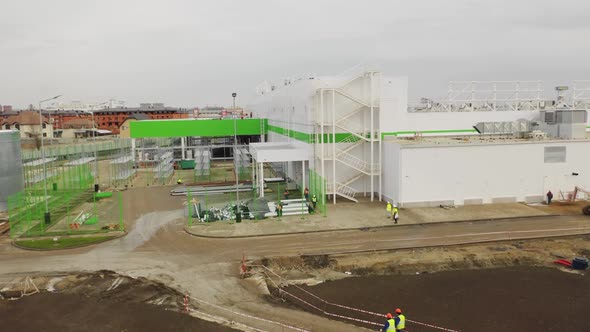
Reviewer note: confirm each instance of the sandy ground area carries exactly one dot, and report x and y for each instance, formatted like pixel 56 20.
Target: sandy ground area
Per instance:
pixel 159 249
pixel 366 214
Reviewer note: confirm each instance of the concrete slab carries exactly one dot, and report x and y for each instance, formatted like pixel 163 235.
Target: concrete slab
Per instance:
pixel 364 214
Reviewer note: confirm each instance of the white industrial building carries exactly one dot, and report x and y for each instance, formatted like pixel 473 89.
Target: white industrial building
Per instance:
pixel 487 142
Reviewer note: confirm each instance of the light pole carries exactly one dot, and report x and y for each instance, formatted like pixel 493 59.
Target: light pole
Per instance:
pixel 238 212
pixel 47 216
pixel 95 146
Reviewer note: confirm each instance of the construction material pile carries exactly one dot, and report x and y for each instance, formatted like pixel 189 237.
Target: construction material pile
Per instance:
pixel 210 190
pixel 250 209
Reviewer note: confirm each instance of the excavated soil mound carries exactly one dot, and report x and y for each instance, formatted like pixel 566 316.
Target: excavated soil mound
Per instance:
pixel 97 301
pixel 507 299
pixel 71 312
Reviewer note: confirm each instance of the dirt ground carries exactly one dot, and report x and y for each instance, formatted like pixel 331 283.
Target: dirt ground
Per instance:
pixel 69 312
pixel 484 287
pixel 102 301
pixel 507 299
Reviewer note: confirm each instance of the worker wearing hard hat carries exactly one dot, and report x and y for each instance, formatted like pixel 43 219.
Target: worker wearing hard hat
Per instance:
pixel 400 321
pixel 389 324
pixel 389 209
pixel 395 213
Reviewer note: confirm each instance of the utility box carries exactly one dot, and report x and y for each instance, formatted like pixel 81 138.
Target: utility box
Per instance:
pixel 187 164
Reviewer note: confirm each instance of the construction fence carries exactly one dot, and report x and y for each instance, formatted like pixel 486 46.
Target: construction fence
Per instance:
pixel 68 189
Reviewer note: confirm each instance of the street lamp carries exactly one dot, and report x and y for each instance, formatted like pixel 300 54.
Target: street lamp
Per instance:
pixel 95 146
pixel 238 212
pixel 47 216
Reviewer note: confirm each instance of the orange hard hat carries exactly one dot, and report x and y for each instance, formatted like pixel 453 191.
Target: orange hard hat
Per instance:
pixel 389 316
pixel 398 311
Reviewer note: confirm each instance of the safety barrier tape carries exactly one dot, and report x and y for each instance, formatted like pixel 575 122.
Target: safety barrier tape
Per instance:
pixel 329 313
pixel 350 308
pixel 217 319
pixel 295 328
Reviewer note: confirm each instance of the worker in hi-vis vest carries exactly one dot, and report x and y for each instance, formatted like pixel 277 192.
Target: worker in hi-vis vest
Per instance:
pixel 389 209
pixel 389 324
pixel 395 214
pixel 400 320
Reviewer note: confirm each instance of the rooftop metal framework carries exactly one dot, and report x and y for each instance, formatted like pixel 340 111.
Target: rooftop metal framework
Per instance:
pixel 485 96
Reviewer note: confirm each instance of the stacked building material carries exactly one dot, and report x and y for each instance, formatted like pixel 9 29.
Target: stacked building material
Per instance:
pixel 123 168
pixel 241 160
pixel 202 162
pixel 165 166
pixel 291 207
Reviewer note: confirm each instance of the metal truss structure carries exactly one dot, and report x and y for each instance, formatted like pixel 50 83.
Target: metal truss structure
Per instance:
pixel 482 96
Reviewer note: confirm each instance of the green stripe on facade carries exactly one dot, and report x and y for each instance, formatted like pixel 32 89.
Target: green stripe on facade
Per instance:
pixel 225 127
pixel 209 128
pixel 311 138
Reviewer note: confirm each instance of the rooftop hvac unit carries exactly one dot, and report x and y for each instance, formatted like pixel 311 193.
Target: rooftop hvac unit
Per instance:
pixel 549 117
pixel 490 128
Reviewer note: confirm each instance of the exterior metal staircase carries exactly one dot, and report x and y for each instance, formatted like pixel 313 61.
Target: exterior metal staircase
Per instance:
pixel 349 118
pixel 343 191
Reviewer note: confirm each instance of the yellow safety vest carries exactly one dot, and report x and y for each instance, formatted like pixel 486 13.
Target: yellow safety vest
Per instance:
pixel 391 327
pixel 388 207
pixel 402 322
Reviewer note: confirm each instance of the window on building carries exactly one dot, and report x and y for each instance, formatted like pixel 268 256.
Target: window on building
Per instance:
pixel 7 126
pixel 17 126
pixel 555 154
pixel 44 134
pixel 44 126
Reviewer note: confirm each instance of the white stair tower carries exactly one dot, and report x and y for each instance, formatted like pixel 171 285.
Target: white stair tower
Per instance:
pixel 348 140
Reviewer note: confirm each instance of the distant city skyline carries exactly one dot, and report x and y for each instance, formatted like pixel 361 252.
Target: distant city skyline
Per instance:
pixel 187 53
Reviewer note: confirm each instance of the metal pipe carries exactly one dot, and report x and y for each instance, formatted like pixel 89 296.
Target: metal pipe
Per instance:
pixel 334 146
pixel 234 95
pixel 372 142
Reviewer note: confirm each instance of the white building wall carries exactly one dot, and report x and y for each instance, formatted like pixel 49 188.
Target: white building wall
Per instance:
pixel 28 131
pixel 289 107
pixel 391 172
pixel 474 174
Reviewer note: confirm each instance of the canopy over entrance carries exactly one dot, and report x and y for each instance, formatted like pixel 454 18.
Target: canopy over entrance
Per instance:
pixel 277 152
pixel 274 153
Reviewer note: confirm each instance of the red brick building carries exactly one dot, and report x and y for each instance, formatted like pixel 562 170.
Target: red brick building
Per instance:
pixel 112 118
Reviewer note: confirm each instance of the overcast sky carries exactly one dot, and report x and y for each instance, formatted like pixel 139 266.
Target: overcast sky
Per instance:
pixel 196 52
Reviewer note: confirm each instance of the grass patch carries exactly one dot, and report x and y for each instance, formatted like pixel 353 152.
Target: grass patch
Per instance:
pixel 61 243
